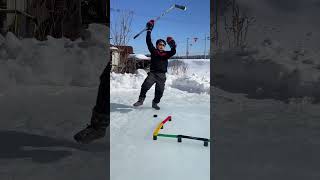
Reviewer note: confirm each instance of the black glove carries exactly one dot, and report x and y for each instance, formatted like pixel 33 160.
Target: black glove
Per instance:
pixel 150 25
pixel 171 42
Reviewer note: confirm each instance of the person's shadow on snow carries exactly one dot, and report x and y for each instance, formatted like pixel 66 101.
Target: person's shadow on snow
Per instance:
pixel 15 145
pixel 114 107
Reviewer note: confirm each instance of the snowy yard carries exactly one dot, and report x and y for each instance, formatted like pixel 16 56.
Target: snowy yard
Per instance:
pixel 133 152
pixel 47 90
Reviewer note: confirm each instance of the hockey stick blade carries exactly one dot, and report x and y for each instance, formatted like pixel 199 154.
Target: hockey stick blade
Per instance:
pixel 180 7
pixel 164 13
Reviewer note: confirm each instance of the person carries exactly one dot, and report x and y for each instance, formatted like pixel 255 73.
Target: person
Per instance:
pixel 100 118
pixel 158 67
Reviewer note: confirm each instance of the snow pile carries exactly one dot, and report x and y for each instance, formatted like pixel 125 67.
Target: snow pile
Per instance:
pixel 139 56
pixel 98 33
pixel 272 50
pixel 127 81
pixel 191 84
pixel 201 67
pixel 54 61
pixel 278 71
pixel 196 80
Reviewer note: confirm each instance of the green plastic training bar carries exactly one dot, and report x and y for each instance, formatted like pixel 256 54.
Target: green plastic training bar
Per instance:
pixel 179 137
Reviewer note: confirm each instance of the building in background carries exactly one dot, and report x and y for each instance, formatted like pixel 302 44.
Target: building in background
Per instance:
pixel 115 58
pixel 123 60
pixel 58 18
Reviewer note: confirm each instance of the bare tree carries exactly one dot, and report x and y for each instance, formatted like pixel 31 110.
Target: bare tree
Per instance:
pixel 121 29
pixel 237 27
pixel 120 36
pixel 178 67
pixel 56 18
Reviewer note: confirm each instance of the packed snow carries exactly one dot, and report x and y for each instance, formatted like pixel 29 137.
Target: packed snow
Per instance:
pixel 49 87
pixel 275 50
pixel 133 152
pixel 139 56
pixel 196 79
pixel 47 91
pixel 57 62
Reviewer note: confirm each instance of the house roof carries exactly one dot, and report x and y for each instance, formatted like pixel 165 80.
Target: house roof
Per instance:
pixel 113 48
pixel 139 57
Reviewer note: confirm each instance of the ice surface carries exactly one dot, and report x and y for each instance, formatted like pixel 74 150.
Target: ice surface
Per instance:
pixel 134 154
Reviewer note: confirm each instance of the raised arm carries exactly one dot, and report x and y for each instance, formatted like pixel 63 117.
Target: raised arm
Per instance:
pixel 149 28
pixel 172 45
pixel 149 42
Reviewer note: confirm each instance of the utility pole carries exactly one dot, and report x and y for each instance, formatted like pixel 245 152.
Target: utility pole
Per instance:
pixel 205 44
pixel 187 52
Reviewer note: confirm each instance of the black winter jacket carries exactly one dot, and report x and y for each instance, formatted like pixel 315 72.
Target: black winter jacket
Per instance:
pixel 159 59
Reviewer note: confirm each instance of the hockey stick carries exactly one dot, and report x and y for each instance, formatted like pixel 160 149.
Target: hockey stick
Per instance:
pixel 164 13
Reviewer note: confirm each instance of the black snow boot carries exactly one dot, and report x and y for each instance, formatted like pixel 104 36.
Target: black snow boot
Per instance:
pixel 139 102
pixel 155 105
pixel 95 130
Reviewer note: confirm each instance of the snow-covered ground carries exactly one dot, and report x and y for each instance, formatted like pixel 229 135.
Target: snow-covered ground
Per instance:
pixel 264 139
pixel 56 62
pixel 139 56
pixel 47 90
pixel 133 152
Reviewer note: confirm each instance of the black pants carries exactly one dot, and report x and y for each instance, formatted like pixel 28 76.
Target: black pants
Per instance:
pixel 103 97
pixel 159 79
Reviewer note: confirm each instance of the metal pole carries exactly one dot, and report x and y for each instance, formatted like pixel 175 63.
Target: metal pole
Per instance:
pixel 205 44
pixel 187 52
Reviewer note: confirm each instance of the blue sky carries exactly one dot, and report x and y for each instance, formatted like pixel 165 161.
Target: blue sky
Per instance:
pixel 192 23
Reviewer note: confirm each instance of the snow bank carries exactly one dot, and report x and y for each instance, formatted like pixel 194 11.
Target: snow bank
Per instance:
pixel 268 70
pixel 191 84
pixel 98 33
pixel 54 61
pixel 139 56
pixel 196 80
pixel 127 81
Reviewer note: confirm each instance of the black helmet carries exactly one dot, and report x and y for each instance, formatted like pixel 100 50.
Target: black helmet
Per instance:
pixel 161 40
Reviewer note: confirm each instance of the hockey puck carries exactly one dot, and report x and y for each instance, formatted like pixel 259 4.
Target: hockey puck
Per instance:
pixel 155 115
